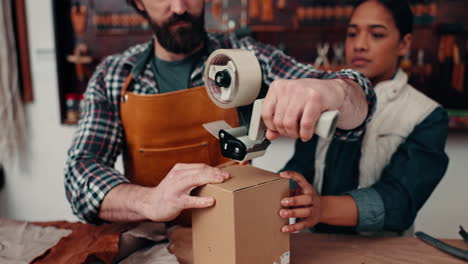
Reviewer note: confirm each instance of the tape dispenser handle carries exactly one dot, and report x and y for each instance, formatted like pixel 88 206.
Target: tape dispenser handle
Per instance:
pixel 326 124
pixel 325 127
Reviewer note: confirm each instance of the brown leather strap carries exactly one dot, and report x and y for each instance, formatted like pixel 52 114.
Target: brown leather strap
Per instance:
pixel 126 84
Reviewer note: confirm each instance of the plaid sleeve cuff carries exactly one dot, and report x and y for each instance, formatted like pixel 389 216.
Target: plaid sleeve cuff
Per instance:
pixel 371 209
pixel 359 78
pixel 87 183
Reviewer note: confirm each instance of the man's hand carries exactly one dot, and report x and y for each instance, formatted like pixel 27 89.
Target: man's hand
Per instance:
pixel 292 108
pixel 130 202
pixel 305 204
pixel 172 195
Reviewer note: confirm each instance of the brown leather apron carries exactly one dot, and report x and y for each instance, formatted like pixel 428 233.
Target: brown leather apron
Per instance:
pixel 164 129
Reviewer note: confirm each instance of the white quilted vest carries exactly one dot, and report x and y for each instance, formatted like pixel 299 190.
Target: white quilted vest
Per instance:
pixel 400 108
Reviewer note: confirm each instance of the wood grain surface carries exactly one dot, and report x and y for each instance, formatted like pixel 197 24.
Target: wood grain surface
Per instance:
pixel 308 248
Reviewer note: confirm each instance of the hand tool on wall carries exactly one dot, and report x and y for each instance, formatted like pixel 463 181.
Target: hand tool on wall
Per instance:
pixel 311 13
pixel 2 177
pixel 254 8
pixel 299 17
pixel 322 58
pixel 319 12
pixel 233 78
pixel 243 30
pixel 243 15
pixel 458 75
pixel 432 9
pixel 340 12
pixel 328 12
pixel 406 64
pixel 348 9
pixel 267 10
pixel 445 59
pixel 78 16
pixel 446 44
pixel 463 234
pixel 225 21
pixel 418 75
pixel 418 11
pixel 338 54
pixel 281 4
pixel 80 58
pixel 125 22
pixel 216 9
pixel 451 250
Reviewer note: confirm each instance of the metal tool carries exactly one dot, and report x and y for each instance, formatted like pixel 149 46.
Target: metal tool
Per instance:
pixel 463 234
pixel 338 54
pixel 322 58
pixel 451 250
pixel 2 177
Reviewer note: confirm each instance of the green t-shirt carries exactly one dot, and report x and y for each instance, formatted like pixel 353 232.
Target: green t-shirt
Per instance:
pixel 173 76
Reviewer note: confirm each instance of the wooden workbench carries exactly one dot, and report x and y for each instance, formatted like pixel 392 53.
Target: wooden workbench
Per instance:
pixel 308 248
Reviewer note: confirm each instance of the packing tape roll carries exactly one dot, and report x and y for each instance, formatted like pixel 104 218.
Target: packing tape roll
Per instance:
pixel 245 84
pixel 246 77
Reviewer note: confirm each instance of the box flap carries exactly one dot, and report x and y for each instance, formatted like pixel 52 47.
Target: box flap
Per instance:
pixel 245 176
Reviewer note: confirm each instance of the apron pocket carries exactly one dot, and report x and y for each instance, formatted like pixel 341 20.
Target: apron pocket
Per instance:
pixel 155 163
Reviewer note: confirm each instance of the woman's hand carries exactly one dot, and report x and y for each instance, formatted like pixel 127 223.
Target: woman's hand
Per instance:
pixel 181 244
pixel 304 203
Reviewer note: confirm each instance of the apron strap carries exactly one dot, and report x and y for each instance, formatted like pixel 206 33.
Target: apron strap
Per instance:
pixel 125 86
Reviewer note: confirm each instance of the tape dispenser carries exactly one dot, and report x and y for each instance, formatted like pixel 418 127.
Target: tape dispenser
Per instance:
pixel 233 78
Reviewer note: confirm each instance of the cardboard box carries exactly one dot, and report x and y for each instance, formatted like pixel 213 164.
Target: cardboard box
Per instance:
pixel 244 226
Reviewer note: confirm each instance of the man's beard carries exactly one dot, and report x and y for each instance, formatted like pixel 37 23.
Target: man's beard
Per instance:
pixel 183 40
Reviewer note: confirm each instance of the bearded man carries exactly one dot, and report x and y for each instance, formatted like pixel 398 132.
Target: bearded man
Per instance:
pixel 148 104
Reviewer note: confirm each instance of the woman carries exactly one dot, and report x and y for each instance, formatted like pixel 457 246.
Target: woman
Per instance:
pixel 377 183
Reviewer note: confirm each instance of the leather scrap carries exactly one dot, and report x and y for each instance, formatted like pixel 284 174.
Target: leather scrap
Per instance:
pixel 87 243
pixel 21 242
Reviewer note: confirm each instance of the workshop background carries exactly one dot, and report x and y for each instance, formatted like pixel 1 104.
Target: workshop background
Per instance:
pixel 68 38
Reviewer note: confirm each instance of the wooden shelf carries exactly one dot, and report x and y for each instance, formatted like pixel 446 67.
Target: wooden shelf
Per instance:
pixel 299 41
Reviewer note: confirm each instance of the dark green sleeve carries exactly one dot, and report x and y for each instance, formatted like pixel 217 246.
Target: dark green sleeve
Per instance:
pixel 303 159
pixel 414 171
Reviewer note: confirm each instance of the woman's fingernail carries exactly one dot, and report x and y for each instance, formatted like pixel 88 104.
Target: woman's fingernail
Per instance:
pixel 285 202
pixel 285 229
pixel 283 213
